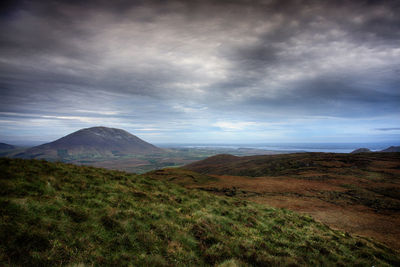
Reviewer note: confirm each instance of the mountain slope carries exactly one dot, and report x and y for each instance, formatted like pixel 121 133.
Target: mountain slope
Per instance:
pixel 287 164
pixel 389 149
pixel 60 214
pixel 92 142
pixel 392 149
pixel 359 193
pixel 4 146
pixel 361 150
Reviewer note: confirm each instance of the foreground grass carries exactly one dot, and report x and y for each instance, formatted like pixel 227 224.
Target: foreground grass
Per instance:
pixel 60 214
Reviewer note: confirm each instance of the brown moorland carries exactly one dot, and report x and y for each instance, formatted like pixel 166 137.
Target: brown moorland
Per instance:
pixel 358 193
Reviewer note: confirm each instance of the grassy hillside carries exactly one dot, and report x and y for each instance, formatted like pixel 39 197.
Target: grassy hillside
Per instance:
pixel 180 176
pixel 293 164
pixel 60 214
pixel 359 193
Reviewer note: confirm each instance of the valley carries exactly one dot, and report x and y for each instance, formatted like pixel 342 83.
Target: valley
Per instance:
pixel 169 157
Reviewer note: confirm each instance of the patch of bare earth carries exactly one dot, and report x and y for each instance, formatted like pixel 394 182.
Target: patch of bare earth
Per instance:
pixel 331 200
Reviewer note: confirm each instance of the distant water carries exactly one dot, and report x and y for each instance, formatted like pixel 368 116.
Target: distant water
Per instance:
pixel 309 147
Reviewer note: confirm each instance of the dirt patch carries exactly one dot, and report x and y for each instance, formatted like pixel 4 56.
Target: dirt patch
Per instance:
pixel 332 202
pixel 356 219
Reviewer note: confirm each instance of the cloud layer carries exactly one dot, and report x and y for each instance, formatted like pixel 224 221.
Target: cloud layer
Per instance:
pixel 198 71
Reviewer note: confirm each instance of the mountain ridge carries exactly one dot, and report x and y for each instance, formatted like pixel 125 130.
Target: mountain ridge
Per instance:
pixel 367 150
pixel 361 150
pixel 391 149
pixel 262 165
pixel 5 146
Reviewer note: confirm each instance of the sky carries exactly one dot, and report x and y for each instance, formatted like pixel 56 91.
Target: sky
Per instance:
pixel 201 71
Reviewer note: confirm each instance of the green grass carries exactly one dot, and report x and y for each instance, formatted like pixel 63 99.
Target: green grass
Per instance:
pixel 180 176
pixel 60 214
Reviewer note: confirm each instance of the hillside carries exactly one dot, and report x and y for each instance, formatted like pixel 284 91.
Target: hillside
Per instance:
pixel 358 193
pixel 60 214
pixel 361 150
pixel 392 149
pixel 4 146
pixel 95 142
pixel 287 164
pixel 389 149
pixel 9 150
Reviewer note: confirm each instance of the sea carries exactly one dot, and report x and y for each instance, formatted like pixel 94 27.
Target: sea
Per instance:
pixel 293 147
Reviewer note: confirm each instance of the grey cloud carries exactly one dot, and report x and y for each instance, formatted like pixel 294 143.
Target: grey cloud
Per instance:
pixel 326 96
pixel 388 129
pixel 333 58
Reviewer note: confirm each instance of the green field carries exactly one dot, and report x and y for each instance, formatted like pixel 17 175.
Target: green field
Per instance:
pixel 62 214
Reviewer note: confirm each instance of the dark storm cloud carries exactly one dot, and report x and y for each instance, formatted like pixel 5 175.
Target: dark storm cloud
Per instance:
pixel 331 96
pixel 190 60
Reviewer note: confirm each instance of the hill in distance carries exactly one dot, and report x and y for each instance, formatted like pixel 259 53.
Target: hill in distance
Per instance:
pixel 367 150
pixel 4 146
pixel 287 164
pixel 392 149
pixel 95 142
pixel 7 150
pixel 54 214
pixel 361 150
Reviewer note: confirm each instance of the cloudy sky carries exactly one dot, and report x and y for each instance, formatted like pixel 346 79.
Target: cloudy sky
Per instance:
pixel 202 71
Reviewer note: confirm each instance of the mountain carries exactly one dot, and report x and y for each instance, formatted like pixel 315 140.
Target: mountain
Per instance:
pixel 92 142
pixel 4 146
pixel 361 150
pixel 392 149
pixel 56 214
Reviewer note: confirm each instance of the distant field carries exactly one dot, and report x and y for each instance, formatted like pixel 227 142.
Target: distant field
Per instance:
pixel 359 193
pixel 173 157
pixel 141 163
